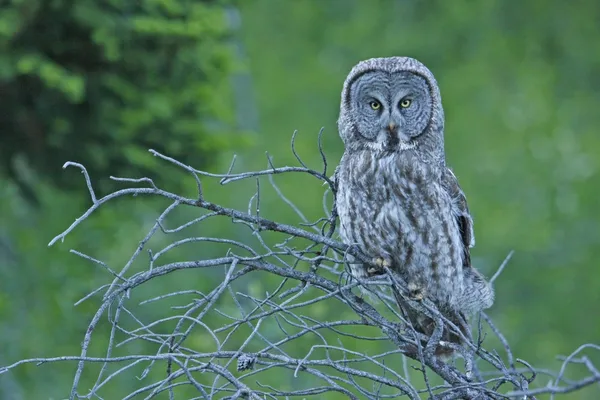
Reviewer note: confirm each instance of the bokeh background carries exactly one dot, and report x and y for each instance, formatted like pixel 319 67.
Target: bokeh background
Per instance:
pixel 100 82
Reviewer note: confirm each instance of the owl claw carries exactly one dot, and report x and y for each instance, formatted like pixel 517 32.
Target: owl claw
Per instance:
pixel 380 265
pixel 383 262
pixel 416 292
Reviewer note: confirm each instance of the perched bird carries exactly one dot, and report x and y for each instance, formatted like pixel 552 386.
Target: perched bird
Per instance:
pixel 397 200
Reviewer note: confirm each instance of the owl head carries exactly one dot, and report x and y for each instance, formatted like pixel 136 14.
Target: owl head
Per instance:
pixel 392 105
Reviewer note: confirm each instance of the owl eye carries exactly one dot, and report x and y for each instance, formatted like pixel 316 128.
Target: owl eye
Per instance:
pixel 375 105
pixel 405 103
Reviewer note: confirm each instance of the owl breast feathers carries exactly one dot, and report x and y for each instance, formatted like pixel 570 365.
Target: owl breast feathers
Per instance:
pixel 397 200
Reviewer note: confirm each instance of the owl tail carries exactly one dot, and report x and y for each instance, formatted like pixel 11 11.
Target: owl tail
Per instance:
pixel 426 325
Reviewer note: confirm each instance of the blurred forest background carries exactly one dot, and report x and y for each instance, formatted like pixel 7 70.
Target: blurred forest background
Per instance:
pixel 100 82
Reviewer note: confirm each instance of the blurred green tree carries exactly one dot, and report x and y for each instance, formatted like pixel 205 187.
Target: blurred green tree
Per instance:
pixel 102 81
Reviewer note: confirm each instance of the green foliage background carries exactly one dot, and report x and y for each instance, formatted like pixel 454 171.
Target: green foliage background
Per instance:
pixel 100 82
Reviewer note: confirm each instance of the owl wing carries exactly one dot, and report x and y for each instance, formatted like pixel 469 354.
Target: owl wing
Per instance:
pixel 461 212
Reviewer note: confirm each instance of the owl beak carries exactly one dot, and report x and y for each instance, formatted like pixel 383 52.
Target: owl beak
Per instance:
pixel 395 134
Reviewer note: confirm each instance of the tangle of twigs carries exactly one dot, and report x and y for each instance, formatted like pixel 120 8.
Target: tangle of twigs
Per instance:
pixel 300 336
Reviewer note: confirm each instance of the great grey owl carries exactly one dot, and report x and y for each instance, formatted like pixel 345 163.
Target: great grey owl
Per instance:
pixel 397 200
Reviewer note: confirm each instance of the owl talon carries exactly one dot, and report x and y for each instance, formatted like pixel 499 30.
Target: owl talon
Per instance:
pixel 383 262
pixel 417 296
pixel 380 265
pixel 416 292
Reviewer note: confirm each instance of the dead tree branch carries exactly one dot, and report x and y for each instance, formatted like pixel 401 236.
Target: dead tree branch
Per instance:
pixel 299 336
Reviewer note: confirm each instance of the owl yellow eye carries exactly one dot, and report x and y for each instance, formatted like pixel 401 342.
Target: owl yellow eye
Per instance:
pixel 375 105
pixel 405 103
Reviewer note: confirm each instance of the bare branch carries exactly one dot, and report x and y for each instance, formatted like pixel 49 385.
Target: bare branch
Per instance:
pixel 279 308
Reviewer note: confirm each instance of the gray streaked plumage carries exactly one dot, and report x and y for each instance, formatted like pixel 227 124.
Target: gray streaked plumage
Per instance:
pixel 397 200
